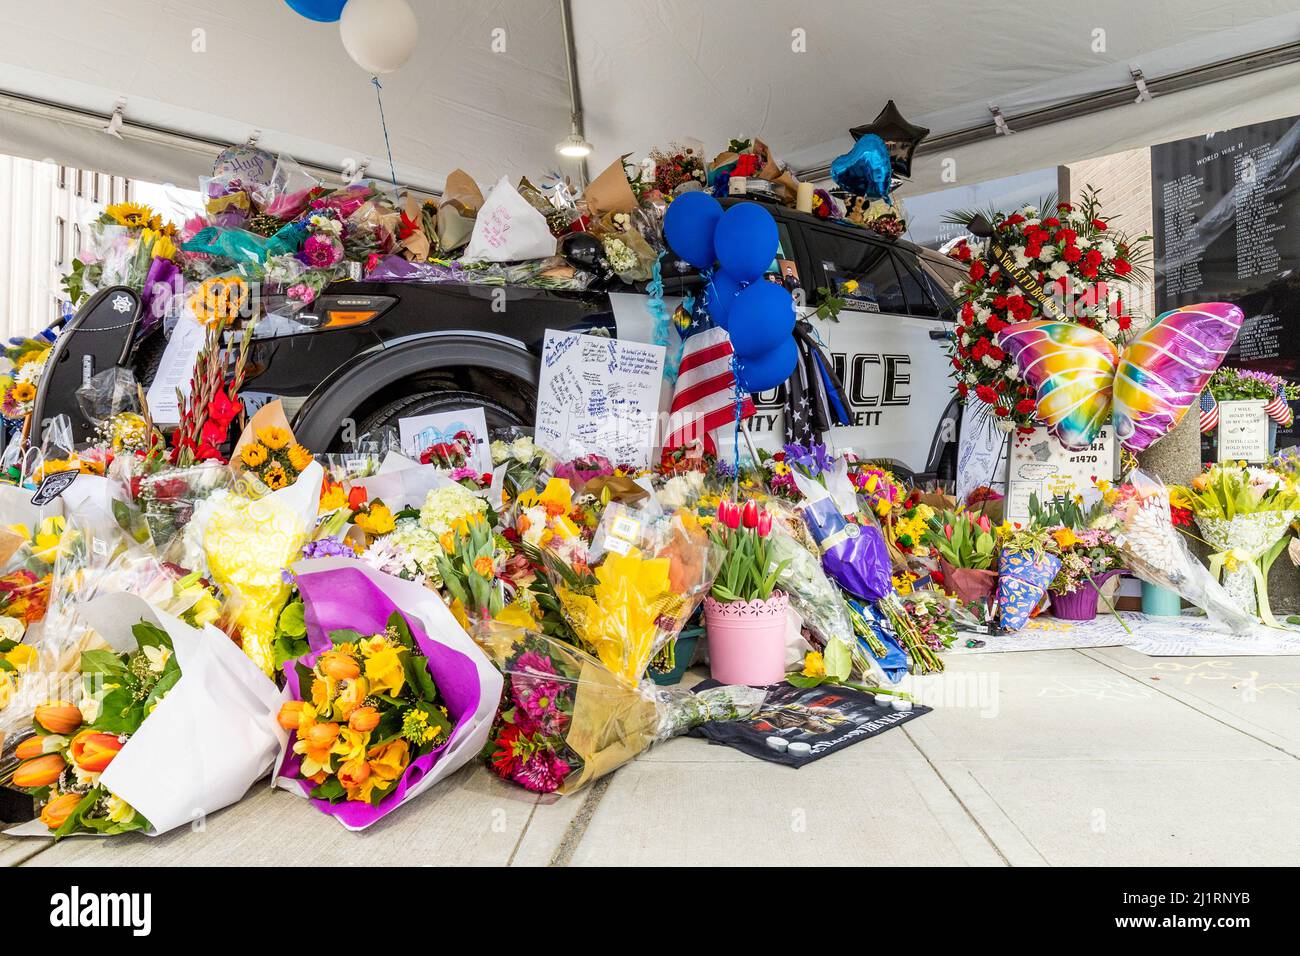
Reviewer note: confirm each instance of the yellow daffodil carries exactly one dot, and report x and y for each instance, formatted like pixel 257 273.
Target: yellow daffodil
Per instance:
pixel 377 520
pixel 1065 537
pixel 389 761
pixel 21 657
pixel 119 811
pixel 814 665
pixel 384 668
pixel 45 544
pixel 350 745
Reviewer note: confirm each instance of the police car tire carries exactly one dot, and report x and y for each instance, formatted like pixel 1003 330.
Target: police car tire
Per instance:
pixel 408 405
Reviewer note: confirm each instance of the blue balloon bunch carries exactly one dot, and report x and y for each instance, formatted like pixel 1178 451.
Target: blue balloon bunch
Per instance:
pixel 758 315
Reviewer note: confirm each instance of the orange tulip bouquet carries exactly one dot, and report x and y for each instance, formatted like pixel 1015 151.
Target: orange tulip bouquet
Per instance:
pixel 169 722
pixel 391 697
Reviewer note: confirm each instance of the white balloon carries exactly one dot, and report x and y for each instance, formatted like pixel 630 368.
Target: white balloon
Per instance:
pixel 380 35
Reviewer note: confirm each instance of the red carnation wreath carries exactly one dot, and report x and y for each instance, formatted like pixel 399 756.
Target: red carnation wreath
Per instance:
pixel 1076 256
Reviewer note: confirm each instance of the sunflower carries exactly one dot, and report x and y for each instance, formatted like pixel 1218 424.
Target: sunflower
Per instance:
pixel 273 436
pixel 299 456
pixel 130 214
pixel 253 455
pixel 275 478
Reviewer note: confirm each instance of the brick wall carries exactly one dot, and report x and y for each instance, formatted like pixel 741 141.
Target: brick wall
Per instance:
pixel 1124 180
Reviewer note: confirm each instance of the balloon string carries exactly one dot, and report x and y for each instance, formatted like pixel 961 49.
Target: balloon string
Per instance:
pixel 735 438
pixel 392 169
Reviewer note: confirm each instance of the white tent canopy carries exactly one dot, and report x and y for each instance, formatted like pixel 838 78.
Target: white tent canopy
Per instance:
pixel 651 72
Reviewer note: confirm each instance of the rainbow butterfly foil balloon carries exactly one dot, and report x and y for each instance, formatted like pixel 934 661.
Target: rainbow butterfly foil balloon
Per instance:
pixel 1082 380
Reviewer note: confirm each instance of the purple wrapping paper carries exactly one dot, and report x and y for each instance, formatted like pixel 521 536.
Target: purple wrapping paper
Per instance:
pixel 857 558
pixel 346 598
pixel 397 269
pixel 163 281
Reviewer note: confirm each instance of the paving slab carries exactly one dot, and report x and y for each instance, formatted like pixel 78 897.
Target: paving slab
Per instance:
pixel 1145 812
pixel 467 820
pixel 1258 696
pixel 831 812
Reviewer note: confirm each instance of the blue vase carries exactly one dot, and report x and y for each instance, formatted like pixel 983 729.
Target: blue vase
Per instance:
pixel 1160 602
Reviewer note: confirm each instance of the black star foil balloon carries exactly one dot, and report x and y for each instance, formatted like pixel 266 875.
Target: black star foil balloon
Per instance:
pixel 900 136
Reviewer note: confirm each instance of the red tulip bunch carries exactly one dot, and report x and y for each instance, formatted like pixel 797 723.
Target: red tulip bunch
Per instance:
pixel 743 534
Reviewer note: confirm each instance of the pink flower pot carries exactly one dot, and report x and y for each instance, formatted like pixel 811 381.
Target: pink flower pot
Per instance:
pixel 747 640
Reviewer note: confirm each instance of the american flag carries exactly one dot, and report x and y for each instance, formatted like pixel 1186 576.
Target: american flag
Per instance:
pixel 1209 412
pixel 1279 411
pixel 705 397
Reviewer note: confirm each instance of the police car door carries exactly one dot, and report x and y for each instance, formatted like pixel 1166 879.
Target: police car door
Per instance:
pixel 888 348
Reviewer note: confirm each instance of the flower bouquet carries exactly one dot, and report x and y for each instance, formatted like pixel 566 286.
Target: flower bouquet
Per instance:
pixel 1078 258
pixel 170 723
pixel 1089 556
pixel 744 614
pixel 247 542
pixel 391 698
pixel 1153 550
pixel 566 719
pixel 1027 566
pixel 967 546
pixel 1244 513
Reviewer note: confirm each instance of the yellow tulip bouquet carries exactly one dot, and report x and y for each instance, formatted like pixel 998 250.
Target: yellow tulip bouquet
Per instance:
pixel 570 714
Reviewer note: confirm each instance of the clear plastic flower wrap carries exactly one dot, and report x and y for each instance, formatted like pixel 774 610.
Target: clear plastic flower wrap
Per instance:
pixel 1155 551
pixel 818 601
pixel 169 499
pixel 92 557
pixel 630 592
pixel 566 719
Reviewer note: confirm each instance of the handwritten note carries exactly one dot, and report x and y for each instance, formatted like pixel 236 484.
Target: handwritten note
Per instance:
pixel 599 396
pixel 1041 466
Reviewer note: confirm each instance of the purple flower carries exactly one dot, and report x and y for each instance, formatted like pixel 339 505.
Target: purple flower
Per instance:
pixel 324 548
pixel 321 252
pixel 813 459
pixel 543 772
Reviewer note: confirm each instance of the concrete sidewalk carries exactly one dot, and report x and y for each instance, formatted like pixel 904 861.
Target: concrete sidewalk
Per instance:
pixel 1092 757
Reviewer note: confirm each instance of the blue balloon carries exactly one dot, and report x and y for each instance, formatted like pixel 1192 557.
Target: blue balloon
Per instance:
pixel 689 224
pixel 761 319
pixel 746 240
pixel 721 295
pixel 759 373
pixel 322 11
pixel 866 169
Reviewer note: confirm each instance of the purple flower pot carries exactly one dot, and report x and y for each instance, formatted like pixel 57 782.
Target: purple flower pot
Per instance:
pixel 1080 605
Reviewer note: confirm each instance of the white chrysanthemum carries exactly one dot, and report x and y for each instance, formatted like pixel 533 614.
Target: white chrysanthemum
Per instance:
pixel 1058 269
pixel 1013 373
pixel 990 362
pixel 1110 329
pixel 1047 253
pixel 1106 248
